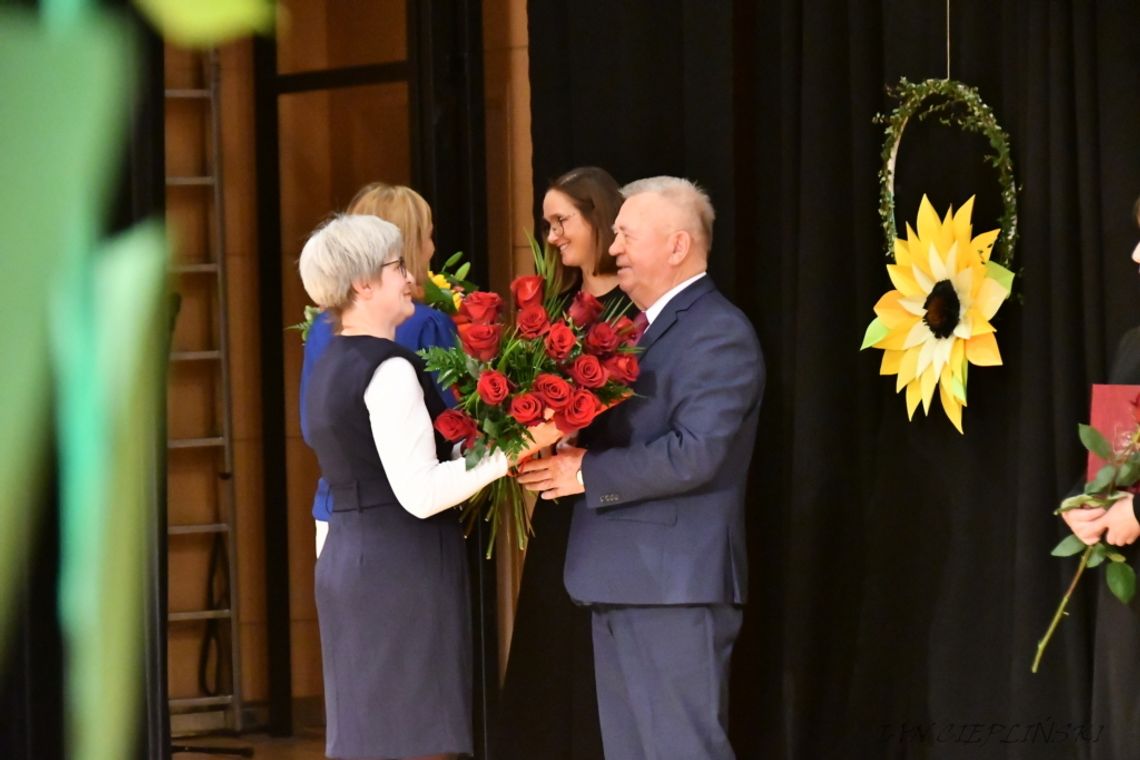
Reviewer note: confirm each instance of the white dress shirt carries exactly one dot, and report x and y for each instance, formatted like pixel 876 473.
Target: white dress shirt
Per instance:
pixel 659 305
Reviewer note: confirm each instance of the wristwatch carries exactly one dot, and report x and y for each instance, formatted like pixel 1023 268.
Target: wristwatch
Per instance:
pixel 579 476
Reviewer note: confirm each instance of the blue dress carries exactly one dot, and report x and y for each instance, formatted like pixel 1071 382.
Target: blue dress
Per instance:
pixel 425 328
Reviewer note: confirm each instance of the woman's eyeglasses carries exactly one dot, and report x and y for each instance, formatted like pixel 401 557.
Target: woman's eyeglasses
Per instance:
pixel 557 225
pixel 400 266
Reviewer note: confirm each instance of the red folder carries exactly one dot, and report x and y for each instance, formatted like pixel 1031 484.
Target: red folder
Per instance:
pixel 1111 413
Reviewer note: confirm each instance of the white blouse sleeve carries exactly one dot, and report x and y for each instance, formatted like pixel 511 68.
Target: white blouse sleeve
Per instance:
pixel 402 430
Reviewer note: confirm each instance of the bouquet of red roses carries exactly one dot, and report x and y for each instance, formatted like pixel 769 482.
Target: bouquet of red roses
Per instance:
pixel 555 363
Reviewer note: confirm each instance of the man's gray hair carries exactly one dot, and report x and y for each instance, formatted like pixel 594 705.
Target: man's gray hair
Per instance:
pixel 343 250
pixel 685 194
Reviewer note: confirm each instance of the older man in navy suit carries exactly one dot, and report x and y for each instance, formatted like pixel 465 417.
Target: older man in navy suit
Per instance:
pixel 657 545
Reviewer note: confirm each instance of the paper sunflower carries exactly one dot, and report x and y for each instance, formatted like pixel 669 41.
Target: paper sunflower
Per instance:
pixel 937 320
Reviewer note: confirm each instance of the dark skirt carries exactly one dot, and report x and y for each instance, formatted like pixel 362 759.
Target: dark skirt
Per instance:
pixel 549 703
pixel 393 607
pixel 1116 671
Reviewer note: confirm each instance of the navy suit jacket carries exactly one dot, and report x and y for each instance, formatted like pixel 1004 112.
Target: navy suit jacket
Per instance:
pixel 662 518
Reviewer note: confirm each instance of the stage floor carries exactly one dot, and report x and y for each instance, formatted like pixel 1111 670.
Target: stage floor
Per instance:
pixel 308 746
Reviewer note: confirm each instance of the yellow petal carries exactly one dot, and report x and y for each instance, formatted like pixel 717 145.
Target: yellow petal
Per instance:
pixel 904 281
pixel 945 237
pixel 928 225
pixel 892 313
pixel 914 248
pixel 982 350
pixel 928 380
pixel 906 370
pixel 902 253
pixel 913 396
pixel 895 341
pixel 990 297
pixel 890 363
pixel 978 325
pixel 951 406
pixel 984 243
pixel 957 355
pixel 962 226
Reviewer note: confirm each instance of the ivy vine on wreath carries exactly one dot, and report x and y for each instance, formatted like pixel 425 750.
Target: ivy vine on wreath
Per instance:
pixel 955 105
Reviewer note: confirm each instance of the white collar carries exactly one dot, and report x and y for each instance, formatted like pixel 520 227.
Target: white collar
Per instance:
pixel 659 305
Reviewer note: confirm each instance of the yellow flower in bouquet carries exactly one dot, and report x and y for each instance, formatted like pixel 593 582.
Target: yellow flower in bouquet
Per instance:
pixel 936 322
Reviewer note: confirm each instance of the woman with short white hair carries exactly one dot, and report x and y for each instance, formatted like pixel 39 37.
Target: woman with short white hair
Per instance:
pixel 391 581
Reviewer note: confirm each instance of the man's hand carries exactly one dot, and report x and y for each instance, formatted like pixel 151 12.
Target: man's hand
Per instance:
pixel 556 476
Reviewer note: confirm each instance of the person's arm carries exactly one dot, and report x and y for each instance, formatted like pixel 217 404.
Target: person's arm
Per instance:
pixel 405 440
pixel 320 335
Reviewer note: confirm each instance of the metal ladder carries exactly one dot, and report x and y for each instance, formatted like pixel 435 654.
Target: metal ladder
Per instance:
pixel 221 711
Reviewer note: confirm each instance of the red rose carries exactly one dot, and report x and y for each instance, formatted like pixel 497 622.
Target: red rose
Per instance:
pixel 528 290
pixel 526 408
pixel 532 321
pixel 587 371
pixel 602 339
pixel 560 341
pixel 553 390
pixel 623 368
pixel 1136 409
pixel 457 426
pixel 481 308
pixel 628 331
pixel 579 413
pixel 492 387
pixel 585 309
pixel 480 341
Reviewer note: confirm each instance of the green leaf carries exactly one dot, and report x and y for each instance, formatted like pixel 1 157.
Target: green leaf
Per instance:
pixel 876 331
pixel 1121 579
pixel 1103 479
pixel 1097 555
pixel 1129 472
pixel 1000 274
pixel 1094 441
pixel 1114 556
pixel 1068 547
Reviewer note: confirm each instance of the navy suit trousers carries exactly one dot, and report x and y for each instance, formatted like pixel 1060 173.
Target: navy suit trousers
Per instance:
pixel 662 676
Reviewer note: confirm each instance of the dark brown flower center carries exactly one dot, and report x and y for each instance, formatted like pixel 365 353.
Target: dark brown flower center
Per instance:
pixel 942 307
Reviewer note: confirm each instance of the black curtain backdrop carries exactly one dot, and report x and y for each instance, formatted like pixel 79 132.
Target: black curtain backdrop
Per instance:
pixel 901 572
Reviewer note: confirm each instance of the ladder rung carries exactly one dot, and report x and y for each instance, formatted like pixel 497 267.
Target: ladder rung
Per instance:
pixel 189 181
pixel 182 617
pixel 194 356
pixel 221 699
pixel 186 93
pixel 184 530
pixel 207 268
pixel 195 443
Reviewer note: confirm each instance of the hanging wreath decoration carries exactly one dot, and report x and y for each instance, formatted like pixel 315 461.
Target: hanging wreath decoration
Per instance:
pixel 959 106
pixel 936 322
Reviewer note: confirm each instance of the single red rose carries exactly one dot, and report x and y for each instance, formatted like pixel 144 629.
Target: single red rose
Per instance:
pixel 587 371
pixel 626 330
pixel 602 339
pixel 528 290
pixel 526 408
pixel 532 321
pixel 553 390
pixel 560 341
pixel 481 307
pixel 455 425
pixel 579 413
pixel 493 387
pixel 623 368
pixel 584 309
pixel 480 341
